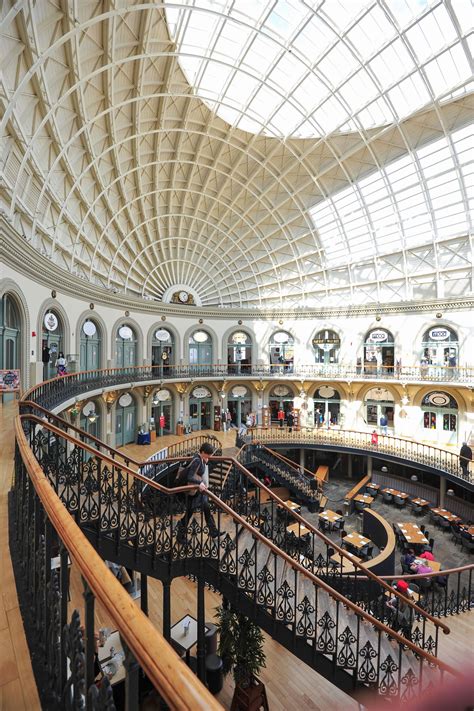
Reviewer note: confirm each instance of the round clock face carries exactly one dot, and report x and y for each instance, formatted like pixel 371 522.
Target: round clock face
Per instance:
pixel 183 296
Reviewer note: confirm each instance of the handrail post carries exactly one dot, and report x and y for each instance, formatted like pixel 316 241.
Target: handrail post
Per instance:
pixel 89 604
pixel 201 652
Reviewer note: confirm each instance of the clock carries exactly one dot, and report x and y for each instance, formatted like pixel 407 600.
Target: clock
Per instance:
pixel 183 296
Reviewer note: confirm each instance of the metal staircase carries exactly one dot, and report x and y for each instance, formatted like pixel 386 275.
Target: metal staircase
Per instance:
pixel 297 606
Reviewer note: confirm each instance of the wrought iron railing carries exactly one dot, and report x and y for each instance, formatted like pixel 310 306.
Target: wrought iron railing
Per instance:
pixel 106 499
pixel 45 540
pixel 396 448
pixel 53 392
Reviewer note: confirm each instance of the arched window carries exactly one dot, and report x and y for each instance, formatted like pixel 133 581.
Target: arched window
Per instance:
pixel 90 345
pixel 239 353
pixel 10 331
pixel 200 351
pixel 200 409
pixel 327 406
pixel 125 346
pixel 52 340
pixel 440 347
pixel 282 352
pixel 326 346
pixel 281 397
pixel 379 352
pixel 440 417
pixel 378 402
pixel 162 349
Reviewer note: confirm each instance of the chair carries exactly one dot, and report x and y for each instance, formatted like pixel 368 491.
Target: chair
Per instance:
pixel 360 506
pixel 368 552
pixel 430 546
pixel 417 509
pixel 444 524
pixel 435 518
pixel 468 543
pixel 457 536
pixel 414 587
pixel 405 567
pixel 387 497
pixel 426 534
pixel 425 584
pixel 323 525
pixel 399 501
pixel 422 528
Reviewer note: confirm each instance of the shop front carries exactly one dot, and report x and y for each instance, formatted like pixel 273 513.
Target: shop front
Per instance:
pixel 125 347
pixel 200 409
pixel 162 351
pixel 282 352
pixel 239 353
pixel 327 406
pixel 90 346
pixel 378 402
pixel 52 339
pixel 239 402
pixel 440 418
pixel 326 347
pixel 162 412
pixel 440 347
pixel 125 420
pixel 281 398
pixel 379 353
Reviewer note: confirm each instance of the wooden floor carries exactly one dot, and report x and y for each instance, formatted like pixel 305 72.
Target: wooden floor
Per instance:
pixel 289 682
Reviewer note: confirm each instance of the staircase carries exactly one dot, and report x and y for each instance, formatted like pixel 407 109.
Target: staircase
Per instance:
pixel 340 640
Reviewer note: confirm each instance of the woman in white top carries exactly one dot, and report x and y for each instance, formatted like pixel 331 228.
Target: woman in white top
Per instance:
pixel 61 364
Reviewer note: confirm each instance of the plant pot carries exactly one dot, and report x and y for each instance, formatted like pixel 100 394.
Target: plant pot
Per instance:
pixel 249 698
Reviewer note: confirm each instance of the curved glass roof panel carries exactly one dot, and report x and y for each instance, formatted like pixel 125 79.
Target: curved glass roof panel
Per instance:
pixel 288 68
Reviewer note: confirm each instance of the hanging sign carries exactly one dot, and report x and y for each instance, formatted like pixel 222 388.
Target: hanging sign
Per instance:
pixel 9 380
pixel 378 336
pixel 200 393
pixel 126 333
pixel 125 400
pixel 162 395
pixel 326 392
pixel 50 322
pixel 439 334
pixel 281 337
pixel 162 335
pixel 89 328
pixel 88 408
pixel 281 390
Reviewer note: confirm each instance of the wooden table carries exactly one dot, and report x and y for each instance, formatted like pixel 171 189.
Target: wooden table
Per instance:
pixel 394 492
pixel 291 505
pixel 375 487
pixel 412 533
pixel 104 656
pixel 420 502
pixel 344 564
pixel 330 516
pixel 356 540
pixel 298 529
pixel 364 498
pixel 433 564
pixel 185 633
pixel 469 529
pixel 446 515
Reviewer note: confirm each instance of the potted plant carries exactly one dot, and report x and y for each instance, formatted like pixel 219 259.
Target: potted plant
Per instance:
pixel 241 649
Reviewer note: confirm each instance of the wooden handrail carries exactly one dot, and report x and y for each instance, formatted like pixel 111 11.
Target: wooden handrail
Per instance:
pixel 350 494
pixel 173 679
pixel 298 517
pixel 434 574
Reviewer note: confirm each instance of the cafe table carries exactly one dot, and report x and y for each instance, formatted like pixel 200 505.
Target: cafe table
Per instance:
pixel 111 658
pixel 330 516
pixel 356 540
pixel 412 533
pixel 185 633
pixel 364 499
pixel 433 564
pixel 298 529
pixel 291 505
pixel 447 515
pixel 344 565
pixel 395 492
pixel 371 485
pixel 420 502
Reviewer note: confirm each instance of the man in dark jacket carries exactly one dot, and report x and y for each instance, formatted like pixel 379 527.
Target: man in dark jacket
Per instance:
pixel 465 457
pixel 197 473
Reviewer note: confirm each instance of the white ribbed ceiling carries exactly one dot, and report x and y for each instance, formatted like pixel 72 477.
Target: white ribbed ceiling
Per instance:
pixel 259 154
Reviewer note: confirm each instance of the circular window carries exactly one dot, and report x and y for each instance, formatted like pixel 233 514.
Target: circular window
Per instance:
pixel 126 333
pixel 200 336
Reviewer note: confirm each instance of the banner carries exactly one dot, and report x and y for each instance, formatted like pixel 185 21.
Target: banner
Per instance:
pixel 9 381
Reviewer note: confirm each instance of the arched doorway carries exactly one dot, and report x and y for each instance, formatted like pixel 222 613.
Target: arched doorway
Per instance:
pixel 440 417
pixel 239 402
pixel 125 420
pixel 125 347
pixel 52 342
pixel 163 407
pixel 327 406
pixel 379 352
pixel 281 396
pixel 90 345
pixel 200 409
pixel 90 418
pixel 10 334
pixel 239 353
pixel 326 346
pixel 200 352
pixel 162 351
pixel 282 352
pixel 378 402
pixel 440 347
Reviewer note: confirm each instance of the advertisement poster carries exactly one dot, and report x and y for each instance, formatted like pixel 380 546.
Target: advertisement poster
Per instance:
pixel 9 380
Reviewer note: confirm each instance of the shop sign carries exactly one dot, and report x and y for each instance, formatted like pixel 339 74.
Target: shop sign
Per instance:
pixel 162 395
pixel 50 322
pixel 199 393
pixel 9 380
pixel 125 400
pixel 438 399
pixel 439 334
pixel 126 333
pixel 239 337
pixel 326 392
pixel 200 336
pixel 281 337
pixel 89 328
pixel 378 336
pixel 162 335
pixel 239 391
pixel 281 391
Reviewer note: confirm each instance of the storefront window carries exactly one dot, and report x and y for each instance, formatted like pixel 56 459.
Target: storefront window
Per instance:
pixel 379 352
pixel 282 352
pixel 326 346
pixel 440 347
pixel 239 353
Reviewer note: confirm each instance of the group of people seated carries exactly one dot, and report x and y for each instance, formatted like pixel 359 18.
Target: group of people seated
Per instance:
pixel 411 562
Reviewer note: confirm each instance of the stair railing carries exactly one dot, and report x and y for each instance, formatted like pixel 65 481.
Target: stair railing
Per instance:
pixel 62 644
pixel 104 498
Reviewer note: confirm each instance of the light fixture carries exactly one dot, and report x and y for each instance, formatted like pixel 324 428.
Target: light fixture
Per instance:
pixel 384 469
pixel 92 416
pixel 414 477
pixel 450 492
pixel 405 400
